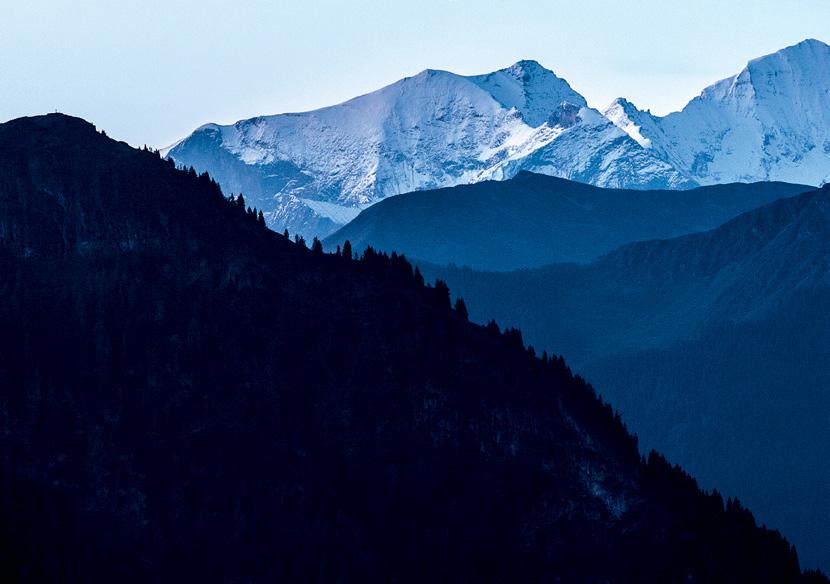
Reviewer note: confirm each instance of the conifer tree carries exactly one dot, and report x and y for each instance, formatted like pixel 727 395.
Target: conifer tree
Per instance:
pixel 442 293
pixel 347 249
pixel 461 309
pixel 419 278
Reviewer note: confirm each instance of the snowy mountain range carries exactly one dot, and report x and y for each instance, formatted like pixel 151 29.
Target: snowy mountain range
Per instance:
pixel 315 171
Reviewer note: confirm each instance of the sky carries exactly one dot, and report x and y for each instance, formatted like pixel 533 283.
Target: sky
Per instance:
pixel 151 71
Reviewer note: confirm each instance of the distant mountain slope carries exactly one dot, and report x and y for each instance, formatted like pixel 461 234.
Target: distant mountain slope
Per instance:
pixel 532 220
pixel 186 396
pixel 771 121
pixel 312 172
pixel 715 345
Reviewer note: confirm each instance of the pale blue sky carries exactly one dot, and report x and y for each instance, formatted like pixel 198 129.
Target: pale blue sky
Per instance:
pixel 149 71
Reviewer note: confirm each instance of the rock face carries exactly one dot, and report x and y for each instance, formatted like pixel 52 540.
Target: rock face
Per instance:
pixel 314 171
pixel 186 396
pixel 771 121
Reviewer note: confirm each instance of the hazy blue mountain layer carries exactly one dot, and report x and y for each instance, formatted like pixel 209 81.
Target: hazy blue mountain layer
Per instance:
pixel 532 220
pixel 714 345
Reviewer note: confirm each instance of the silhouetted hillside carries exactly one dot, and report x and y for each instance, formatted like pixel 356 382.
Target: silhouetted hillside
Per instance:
pixel 189 397
pixel 533 220
pixel 715 346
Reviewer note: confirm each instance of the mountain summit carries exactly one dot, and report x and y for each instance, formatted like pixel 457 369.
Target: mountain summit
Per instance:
pixel 535 92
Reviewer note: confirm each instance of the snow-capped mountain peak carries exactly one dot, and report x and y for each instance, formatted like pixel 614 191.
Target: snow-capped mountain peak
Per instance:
pixel 803 65
pixel 530 88
pixel 770 121
pixel 630 120
pixel 809 56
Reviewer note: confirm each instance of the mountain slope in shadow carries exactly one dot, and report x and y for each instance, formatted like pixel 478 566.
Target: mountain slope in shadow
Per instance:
pixel 188 396
pixel 533 220
pixel 714 345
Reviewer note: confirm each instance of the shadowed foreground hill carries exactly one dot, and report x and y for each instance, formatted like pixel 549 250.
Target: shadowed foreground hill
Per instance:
pixel 534 220
pixel 187 396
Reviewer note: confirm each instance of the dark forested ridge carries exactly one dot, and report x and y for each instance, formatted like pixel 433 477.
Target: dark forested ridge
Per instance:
pixel 533 220
pixel 715 347
pixel 187 396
